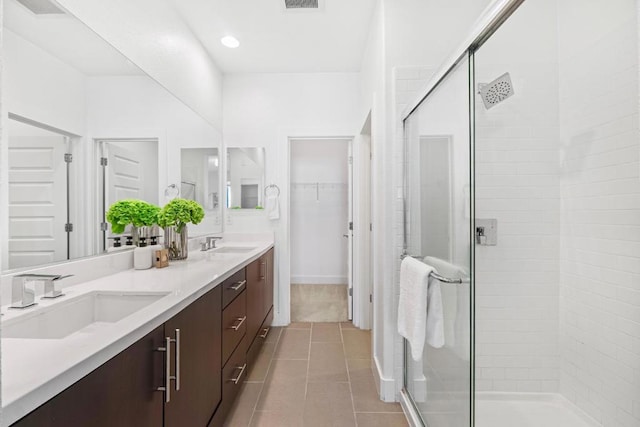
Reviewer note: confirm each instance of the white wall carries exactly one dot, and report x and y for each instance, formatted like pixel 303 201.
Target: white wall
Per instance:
pixel 266 110
pixel 42 88
pixel 600 223
pixel 319 211
pixel 152 35
pixel 517 183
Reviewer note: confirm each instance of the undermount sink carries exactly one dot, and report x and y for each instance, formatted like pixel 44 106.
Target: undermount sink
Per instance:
pixel 73 315
pixel 233 249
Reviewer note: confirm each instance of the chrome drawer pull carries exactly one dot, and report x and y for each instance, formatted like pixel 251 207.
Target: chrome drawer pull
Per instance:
pixel 177 377
pixel 266 332
pixel 167 373
pixel 236 380
pixel 236 327
pixel 238 285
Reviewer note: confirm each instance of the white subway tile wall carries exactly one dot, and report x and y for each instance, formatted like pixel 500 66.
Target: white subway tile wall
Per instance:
pixel 517 183
pixel 600 226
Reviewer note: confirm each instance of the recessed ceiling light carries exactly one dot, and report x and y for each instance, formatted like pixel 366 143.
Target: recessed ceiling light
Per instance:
pixel 230 42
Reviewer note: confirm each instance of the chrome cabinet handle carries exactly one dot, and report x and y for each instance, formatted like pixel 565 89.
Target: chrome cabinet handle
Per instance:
pixel 167 370
pixel 263 273
pixel 177 377
pixel 236 380
pixel 238 285
pixel 266 332
pixel 236 327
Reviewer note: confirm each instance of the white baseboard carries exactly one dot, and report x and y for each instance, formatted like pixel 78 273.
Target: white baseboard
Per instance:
pixel 386 386
pixel 319 280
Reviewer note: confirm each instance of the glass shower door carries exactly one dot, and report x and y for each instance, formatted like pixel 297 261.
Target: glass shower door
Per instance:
pixel 438 223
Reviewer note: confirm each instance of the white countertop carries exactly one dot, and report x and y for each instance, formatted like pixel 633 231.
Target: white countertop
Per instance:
pixel 35 370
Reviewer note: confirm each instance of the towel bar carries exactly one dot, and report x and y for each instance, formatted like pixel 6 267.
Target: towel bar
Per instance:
pixel 436 275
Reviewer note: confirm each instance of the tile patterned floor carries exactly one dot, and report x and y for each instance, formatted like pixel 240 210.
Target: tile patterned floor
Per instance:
pixel 314 374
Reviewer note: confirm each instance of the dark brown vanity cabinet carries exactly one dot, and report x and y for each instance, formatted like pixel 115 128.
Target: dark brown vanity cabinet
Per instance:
pixel 119 393
pixel 259 303
pixel 127 390
pixel 195 360
pixel 201 355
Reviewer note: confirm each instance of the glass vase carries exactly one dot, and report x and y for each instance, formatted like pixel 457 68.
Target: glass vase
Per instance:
pixel 177 243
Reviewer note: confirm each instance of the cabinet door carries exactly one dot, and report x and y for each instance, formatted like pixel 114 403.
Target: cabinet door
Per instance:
pixel 199 365
pixel 268 286
pixel 255 296
pixel 122 392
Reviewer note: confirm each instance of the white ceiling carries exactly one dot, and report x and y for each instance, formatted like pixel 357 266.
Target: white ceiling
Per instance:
pixel 69 40
pixel 273 39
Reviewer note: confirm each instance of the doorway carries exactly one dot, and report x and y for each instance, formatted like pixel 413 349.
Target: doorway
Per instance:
pixel 320 188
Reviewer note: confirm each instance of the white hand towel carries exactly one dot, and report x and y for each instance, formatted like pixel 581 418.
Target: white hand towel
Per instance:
pixel 273 207
pixel 412 306
pixel 435 315
pixel 450 304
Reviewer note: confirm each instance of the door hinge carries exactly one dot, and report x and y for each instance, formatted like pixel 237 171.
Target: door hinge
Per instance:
pixel 103 226
pixel 68 157
pixel 350 292
pixel 370 297
pixel 350 225
pixel 370 227
pixel 350 160
pixel 68 227
pixel 103 161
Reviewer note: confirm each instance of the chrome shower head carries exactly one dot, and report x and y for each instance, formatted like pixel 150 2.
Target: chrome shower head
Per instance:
pixel 497 91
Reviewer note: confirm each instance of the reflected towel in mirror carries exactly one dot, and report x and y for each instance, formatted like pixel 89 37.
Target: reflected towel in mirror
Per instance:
pixel 273 206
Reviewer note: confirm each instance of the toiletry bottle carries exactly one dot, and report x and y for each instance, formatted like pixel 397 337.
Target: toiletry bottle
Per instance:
pixel 153 247
pixel 117 244
pixel 142 255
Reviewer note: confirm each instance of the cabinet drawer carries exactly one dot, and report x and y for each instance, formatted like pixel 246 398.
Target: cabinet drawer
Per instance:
pixel 261 337
pixel 234 325
pixel 233 286
pixel 233 375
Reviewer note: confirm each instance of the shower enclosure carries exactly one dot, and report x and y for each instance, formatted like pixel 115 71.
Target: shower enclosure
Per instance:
pixel 522 177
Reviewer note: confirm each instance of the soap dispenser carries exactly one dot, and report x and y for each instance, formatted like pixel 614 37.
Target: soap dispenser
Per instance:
pixel 117 244
pixel 142 255
pixel 154 246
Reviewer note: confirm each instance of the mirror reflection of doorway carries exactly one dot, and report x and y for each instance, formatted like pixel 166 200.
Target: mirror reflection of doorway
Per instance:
pixel 37 195
pixel 129 171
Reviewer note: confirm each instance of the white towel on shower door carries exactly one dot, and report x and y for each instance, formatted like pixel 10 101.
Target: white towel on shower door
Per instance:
pixel 419 307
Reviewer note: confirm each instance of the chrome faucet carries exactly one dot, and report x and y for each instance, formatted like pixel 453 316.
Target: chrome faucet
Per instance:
pixel 23 292
pixel 210 243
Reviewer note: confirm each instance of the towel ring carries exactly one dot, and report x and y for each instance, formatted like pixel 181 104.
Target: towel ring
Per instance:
pixel 272 186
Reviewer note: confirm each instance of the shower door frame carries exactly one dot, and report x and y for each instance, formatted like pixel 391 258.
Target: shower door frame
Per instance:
pixel 497 13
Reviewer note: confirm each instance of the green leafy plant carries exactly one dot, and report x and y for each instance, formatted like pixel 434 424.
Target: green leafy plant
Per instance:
pixel 180 212
pixel 130 211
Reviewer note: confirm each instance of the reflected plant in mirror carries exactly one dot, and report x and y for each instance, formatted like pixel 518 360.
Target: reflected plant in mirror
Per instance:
pixel 137 213
pixel 245 178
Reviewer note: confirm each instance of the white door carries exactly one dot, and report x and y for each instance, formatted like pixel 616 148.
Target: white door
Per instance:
pixel 349 234
pixel 37 200
pixel 124 174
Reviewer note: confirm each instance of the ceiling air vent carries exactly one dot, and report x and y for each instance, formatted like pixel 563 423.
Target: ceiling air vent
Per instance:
pixel 301 4
pixel 42 7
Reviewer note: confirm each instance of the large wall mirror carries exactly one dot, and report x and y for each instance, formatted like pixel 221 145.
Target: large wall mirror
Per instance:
pixel 84 128
pixel 245 178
